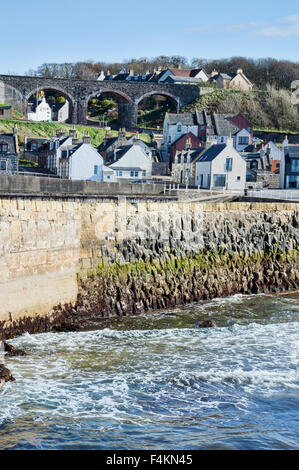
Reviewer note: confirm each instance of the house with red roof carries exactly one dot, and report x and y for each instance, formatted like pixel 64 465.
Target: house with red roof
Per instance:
pixel 198 74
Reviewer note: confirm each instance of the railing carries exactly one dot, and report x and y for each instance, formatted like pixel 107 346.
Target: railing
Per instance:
pixel 273 194
pixel 278 194
pixel 44 175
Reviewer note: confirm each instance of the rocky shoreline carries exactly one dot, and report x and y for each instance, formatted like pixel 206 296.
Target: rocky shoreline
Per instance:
pixel 136 288
pixel 201 256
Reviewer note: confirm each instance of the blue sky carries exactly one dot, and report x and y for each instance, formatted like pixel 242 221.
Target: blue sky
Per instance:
pixel 36 31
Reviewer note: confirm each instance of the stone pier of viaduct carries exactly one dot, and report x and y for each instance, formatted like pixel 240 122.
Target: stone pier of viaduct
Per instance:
pixel 17 90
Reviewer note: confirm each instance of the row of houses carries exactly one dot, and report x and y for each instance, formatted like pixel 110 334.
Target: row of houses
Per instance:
pixel 66 156
pixel 222 166
pixel 236 80
pixel 201 128
pixel 199 164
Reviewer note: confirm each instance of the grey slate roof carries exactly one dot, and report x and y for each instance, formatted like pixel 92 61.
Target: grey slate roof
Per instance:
pixel 212 152
pixel 174 79
pixel 106 144
pixel 120 152
pixel 186 119
pixel 57 106
pixel 223 125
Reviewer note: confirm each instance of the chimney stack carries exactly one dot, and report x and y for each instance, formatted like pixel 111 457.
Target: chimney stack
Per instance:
pixel 75 140
pixel 214 73
pixel 188 144
pixel 86 139
pixel 286 142
pixel 230 141
pixel 72 132
pixel 240 71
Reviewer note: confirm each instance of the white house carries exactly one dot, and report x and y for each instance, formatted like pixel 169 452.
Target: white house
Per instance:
pixel 132 162
pixel 81 162
pixel 184 73
pixel 221 167
pixel 42 113
pixel 77 160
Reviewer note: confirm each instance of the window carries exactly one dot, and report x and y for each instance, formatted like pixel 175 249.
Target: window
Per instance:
pixel 219 181
pixel 119 173
pixel 3 148
pixel 295 166
pixel 242 140
pixel 1 112
pixel 292 182
pixel 108 177
pixel 131 173
pixel 229 164
pixel 179 127
pixel 3 165
pixel 144 174
pixel 136 173
pixel 169 139
pixel 95 170
pixel 33 146
pixel 238 178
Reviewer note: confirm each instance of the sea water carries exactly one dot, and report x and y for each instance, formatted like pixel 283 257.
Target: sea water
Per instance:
pixel 159 381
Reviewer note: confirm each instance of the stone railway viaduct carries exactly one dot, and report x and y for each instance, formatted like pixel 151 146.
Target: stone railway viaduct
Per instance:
pixel 17 90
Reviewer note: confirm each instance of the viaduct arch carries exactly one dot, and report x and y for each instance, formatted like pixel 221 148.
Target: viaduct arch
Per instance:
pixel 16 90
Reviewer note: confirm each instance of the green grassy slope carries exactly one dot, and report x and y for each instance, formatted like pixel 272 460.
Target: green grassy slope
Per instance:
pixel 45 129
pixel 266 109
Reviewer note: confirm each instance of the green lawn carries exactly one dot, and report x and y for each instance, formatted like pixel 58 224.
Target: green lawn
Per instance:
pixel 45 129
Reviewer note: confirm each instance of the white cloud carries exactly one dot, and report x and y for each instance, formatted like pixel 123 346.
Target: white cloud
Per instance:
pixel 279 31
pixel 282 27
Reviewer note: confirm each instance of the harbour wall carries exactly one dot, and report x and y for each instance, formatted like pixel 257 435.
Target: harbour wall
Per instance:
pixel 105 256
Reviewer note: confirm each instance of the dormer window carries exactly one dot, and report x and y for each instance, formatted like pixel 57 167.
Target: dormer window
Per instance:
pixel 3 148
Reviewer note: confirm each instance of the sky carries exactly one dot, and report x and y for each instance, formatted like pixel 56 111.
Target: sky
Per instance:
pixel 34 32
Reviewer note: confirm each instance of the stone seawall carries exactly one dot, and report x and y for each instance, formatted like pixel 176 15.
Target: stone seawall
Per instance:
pixel 63 260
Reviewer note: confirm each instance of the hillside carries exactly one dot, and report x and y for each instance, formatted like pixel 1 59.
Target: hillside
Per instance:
pixel 45 130
pixel 269 109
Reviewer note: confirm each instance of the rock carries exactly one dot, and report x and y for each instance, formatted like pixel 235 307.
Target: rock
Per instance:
pixel 206 324
pixel 5 375
pixel 12 351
